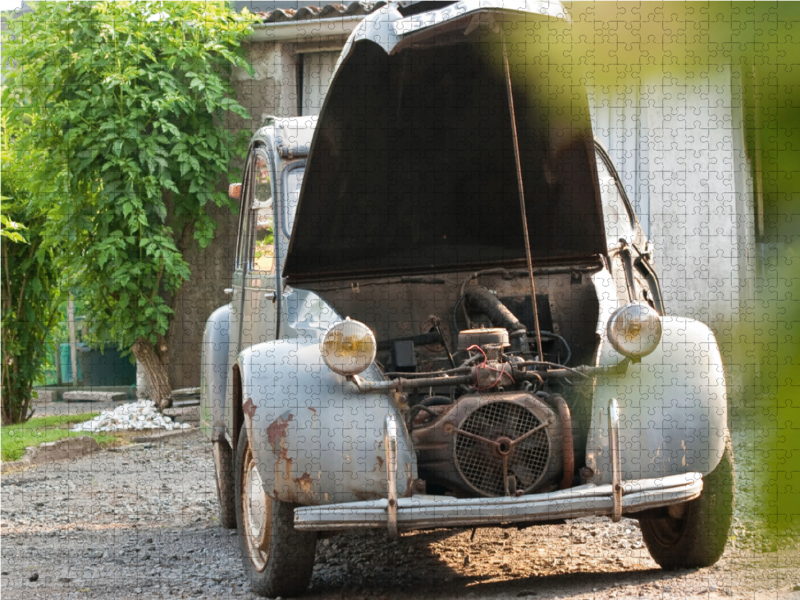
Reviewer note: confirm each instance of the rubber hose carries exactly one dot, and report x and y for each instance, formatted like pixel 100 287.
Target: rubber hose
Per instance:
pixel 481 300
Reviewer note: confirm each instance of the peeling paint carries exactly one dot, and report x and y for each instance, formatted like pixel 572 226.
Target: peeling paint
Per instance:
pixel 278 429
pixel 304 483
pixel 284 456
pixel 249 408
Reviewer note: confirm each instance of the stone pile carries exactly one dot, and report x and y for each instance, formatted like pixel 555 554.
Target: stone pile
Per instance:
pixel 142 414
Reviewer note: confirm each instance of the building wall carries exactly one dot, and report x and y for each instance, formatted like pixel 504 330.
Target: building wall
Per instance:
pixel 678 141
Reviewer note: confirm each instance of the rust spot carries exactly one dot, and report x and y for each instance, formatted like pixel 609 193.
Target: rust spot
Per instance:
pixel 278 429
pixel 284 455
pixel 379 466
pixel 303 479
pixel 249 408
pixel 363 495
pixel 304 482
pixel 311 409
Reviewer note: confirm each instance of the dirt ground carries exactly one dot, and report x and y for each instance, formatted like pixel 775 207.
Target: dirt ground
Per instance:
pixel 140 522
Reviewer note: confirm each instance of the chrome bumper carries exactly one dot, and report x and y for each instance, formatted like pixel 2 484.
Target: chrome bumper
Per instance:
pixel 424 512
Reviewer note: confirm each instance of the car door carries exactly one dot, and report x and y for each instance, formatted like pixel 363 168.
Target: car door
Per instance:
pixel 259 314
pixel 236 290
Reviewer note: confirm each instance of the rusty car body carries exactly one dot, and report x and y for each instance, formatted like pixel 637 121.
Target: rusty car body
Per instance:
pixel 459 323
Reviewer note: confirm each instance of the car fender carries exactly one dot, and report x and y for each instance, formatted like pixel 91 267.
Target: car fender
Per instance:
pixel 316 439
pixel 672 407
pixel 214 372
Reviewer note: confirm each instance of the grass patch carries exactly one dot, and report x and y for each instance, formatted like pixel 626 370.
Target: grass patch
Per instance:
pixel 39 430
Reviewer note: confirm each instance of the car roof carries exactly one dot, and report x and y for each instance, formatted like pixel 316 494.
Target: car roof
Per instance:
pixel 293 132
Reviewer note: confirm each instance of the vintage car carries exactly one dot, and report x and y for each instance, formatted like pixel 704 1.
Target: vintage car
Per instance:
pixel 445 313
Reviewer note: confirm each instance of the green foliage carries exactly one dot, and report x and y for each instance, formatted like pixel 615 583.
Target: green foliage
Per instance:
pixel 130 100
pixel 11 230
pixel 30 294
pixel 40 430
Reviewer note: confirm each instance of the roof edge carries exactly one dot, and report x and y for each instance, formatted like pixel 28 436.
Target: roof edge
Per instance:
pixel 305 30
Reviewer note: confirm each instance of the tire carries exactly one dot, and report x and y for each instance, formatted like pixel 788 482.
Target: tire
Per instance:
pixel 696 539
pixel 226 484
pixel 277 558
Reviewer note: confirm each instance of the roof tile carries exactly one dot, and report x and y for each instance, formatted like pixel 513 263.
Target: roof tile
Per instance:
pixel 329 11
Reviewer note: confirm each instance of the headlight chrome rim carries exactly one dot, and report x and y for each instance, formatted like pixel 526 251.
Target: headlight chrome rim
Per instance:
pixel 635 330
pixel 338 351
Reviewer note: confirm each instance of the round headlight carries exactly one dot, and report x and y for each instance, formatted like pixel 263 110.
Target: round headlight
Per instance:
pixel 635 330
pixel 349 347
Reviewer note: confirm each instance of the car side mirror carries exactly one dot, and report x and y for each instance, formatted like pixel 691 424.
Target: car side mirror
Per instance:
pixel 235 191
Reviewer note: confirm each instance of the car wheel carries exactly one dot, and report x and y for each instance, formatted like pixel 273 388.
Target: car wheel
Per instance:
pixel 226 484
pixel 697 537
pixel 277 558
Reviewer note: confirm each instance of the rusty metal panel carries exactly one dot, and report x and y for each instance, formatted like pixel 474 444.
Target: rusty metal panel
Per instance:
pixel 316 439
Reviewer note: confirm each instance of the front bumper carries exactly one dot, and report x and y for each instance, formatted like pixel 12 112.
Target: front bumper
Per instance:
pixel 425 512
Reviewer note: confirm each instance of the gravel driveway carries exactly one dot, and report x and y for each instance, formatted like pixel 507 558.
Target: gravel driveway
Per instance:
pixel 140 522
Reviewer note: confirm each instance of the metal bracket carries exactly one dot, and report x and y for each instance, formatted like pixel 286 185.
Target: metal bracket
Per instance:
pixel 616 467
pixel 390 444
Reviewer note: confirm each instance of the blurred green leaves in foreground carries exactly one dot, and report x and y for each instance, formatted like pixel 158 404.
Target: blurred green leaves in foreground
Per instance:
pixel 627 42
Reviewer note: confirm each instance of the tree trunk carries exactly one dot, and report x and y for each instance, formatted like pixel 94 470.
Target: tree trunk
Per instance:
pixel 154 362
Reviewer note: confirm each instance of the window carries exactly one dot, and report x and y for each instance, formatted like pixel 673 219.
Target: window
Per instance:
pixel 618 218
pixel 293 183
pixel 262 235
pixel 244 212
pixel 316 71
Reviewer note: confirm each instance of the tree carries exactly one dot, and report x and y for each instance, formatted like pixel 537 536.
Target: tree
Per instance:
pixel 30 293
pixel 129 99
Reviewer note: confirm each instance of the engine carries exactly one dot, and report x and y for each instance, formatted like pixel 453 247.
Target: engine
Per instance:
pixel 493 423
pixel 489 442
pixel 503 444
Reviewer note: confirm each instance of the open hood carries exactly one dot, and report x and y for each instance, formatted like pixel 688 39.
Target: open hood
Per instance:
pixel 412 164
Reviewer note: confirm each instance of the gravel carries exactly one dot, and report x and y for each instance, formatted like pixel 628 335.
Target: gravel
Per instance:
pixel 142 414
pixel 140 522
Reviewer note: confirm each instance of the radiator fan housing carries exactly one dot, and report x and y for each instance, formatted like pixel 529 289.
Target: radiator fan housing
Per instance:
pixel 492 445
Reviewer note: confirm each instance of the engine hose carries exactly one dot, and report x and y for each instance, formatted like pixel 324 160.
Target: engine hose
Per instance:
pixel 481 300
pixel 426 404
pixel 566 439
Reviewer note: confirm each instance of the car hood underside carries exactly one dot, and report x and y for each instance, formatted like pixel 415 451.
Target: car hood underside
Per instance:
pixel 412 164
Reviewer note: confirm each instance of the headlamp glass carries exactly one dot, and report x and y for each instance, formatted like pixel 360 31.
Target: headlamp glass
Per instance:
pixel 348 348
pixel 635 330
